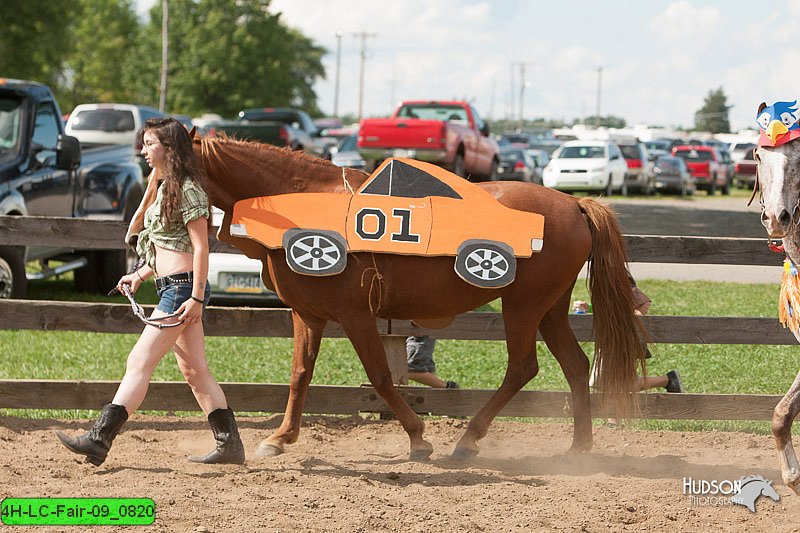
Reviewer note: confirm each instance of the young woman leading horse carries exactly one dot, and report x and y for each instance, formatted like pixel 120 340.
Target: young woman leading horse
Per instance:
pixel 413 287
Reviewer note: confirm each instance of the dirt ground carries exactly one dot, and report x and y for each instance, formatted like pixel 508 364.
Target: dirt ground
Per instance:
pixel 351 474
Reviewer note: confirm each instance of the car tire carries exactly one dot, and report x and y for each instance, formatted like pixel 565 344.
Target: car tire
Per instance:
pixel 610 186
pixel 486 264
pixel 726 189
pixel 315 252
pixel 13 283
pixel 712 187
pixel 458 166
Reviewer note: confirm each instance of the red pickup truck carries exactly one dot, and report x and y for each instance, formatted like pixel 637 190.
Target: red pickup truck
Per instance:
pixel 706 165
pixel 450 134
pixel 744 172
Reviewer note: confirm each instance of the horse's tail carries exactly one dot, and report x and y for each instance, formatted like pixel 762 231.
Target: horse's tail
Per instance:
pixel 618 333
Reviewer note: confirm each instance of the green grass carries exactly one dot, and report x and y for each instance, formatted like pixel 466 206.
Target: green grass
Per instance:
pixel 474 364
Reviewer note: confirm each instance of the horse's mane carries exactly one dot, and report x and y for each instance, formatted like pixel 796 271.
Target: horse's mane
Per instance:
pixel 255 154
pixel 748 479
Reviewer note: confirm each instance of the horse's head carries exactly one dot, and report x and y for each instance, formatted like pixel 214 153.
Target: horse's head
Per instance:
pixel 778 171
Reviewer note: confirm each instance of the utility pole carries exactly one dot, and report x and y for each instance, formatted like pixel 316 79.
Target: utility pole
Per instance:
pixel 522 84
pixel 510 114
pixel 162 99
pixel 599 90
pixel 339 34
pixel 363 36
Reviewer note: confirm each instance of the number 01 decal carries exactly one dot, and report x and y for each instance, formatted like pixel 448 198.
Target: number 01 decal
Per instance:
pixel 375 218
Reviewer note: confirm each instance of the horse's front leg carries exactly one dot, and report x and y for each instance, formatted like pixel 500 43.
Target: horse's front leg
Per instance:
pixel 782 418
pixel 307 337
pixel 364 335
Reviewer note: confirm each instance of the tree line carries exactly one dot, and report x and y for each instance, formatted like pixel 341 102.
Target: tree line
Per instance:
pixel 223 56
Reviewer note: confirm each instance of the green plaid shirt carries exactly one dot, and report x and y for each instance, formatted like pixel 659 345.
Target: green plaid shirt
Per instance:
pixel 193 205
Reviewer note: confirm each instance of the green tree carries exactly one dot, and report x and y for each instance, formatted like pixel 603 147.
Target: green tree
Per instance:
pixel 609 121
pixel 225 56
pixel 713 116
pixel 35 40
pixel 105 33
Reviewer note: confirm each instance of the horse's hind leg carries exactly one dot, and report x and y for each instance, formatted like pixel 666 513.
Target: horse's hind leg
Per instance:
pixel 560 339
pixel 307 337
pixel 782 418
pixel 362 333
pixel 520 327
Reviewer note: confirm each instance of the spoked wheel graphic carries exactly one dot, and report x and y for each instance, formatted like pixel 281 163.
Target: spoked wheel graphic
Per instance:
pixel 315 252
pixel 486 264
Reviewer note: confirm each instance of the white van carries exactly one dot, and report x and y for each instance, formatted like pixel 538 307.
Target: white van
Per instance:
pixel 96 124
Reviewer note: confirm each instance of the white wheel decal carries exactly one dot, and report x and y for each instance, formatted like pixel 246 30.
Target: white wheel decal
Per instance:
pixel 315 252
pixel 486 264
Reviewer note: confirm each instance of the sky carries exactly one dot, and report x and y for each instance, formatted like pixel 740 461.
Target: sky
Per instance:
pixel 659 59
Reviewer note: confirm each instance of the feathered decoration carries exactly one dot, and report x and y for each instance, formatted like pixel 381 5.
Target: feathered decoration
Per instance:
pixel 789 300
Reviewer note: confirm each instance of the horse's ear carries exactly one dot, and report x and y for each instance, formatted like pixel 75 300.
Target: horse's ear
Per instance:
pixel 192 132
pixel 761 107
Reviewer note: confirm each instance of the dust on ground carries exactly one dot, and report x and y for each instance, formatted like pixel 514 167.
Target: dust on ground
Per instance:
pixel 351 474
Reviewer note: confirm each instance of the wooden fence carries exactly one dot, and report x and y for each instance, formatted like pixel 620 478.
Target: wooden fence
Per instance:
pixel 246 322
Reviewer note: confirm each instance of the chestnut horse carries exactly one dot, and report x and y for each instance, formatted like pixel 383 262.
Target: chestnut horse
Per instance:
pixel 414 287
pixel 778 182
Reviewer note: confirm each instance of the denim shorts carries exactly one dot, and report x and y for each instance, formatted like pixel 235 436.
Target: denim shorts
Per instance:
pixel 172 296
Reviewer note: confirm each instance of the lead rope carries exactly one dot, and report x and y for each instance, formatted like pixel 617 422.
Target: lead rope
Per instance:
pixel 346 183
pixel 377 278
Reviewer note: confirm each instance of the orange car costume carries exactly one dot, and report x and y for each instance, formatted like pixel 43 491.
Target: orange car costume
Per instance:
pixel 405 207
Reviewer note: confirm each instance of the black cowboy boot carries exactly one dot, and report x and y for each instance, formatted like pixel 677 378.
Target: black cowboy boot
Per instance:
pixel 95 443
pixel 229 445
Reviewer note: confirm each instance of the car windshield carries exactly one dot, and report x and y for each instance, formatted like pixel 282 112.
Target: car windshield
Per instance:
pixel 630 151
pixel 10 127
pixel 349 144
pixel 109 120
pixel 749 155
pixel 694 156
pixel 433 112
pixel 582 152
pixel 657 145
pixel 511 156
pixel 670 163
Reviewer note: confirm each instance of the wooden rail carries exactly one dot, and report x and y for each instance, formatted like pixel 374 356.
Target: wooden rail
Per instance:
pixel 247 322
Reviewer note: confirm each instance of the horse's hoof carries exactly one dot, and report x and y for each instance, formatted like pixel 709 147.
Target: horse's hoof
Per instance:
pixel 266 449
pixel 464 454
pixel 420 456
pixel 577 450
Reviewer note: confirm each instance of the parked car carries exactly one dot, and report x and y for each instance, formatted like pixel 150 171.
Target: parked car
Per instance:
pixel 235 279
pixel 517 164
pixel 639 176
pixel 672 175
pixel 587 166
pixel 44 172
pixel 738 150
pixel 541 158
pixel 449 134
pixel 706 165
pixel 658 147
pixel 103 124
pixel 744 171
pixel 519 140
pixel 346 154
pixel 279 126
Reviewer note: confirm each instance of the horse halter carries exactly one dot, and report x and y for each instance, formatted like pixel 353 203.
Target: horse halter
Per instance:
pixel 139 312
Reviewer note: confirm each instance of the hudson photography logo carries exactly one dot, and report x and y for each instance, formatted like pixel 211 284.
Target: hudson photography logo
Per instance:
pixel 713 492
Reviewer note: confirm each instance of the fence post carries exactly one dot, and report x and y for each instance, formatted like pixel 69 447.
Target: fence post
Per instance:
pixel 395 347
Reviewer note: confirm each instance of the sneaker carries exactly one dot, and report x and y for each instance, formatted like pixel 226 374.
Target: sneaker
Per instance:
pixel 451 385
pixel 674 384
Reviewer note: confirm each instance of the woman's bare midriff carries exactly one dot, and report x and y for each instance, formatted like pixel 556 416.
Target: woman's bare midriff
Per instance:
pixel 172 262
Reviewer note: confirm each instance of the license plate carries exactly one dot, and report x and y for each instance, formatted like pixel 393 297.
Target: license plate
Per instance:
pixel 242 283
pixel 400 152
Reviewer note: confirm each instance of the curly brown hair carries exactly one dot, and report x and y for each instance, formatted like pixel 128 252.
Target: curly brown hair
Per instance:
pixel 181 163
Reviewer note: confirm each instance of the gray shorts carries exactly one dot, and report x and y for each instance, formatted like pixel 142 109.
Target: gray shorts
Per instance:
pixel 419 351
